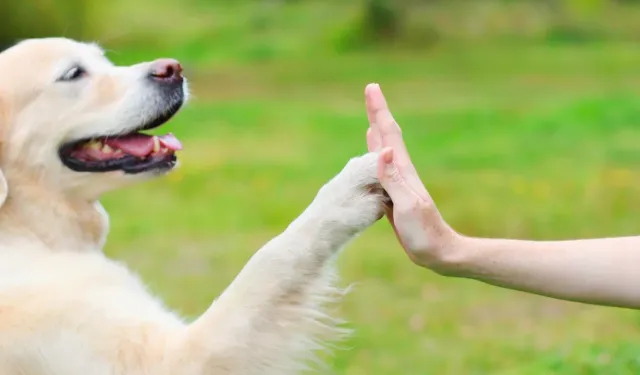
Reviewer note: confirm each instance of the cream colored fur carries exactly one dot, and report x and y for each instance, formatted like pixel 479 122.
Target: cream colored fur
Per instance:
pixel 66 309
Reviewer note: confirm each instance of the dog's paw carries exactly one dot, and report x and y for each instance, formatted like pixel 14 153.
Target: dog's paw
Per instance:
pixel 355 194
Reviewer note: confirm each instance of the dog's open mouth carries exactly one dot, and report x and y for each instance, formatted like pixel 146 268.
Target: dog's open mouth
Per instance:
pixel 131 153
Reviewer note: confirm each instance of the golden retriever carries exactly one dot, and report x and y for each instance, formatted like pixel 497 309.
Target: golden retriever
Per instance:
pixel 70 130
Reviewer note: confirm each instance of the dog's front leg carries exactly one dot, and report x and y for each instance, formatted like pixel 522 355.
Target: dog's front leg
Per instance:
pixel 272 318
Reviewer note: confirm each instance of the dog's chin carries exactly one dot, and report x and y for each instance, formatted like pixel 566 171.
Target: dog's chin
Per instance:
pixel 130 152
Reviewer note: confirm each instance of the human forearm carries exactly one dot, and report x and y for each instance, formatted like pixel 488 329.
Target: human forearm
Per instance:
pixel 598 271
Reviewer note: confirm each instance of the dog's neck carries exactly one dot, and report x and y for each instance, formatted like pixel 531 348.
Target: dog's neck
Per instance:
pixel 60 223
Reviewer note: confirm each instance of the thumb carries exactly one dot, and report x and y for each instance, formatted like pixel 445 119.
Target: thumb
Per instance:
pixel 391 179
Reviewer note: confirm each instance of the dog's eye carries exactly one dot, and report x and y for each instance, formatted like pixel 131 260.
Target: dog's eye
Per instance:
pixel 73 74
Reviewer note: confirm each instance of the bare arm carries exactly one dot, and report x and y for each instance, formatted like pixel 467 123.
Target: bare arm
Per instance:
pixel 596 271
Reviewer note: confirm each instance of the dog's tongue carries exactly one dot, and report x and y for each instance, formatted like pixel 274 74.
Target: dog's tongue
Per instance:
pixel 142 145
pixel 171 142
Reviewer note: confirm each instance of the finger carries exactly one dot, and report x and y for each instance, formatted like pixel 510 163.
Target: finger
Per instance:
pixel 374 142
pixel 393 182
pixel 382 121
pixel 370 88
pixel 391 136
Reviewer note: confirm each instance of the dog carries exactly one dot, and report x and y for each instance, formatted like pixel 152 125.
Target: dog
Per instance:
pixel 71 129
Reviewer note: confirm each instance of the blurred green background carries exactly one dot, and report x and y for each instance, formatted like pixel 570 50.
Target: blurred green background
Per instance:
pixel 522 117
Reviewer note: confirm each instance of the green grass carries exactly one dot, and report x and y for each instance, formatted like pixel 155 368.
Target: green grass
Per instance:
pixel 512 139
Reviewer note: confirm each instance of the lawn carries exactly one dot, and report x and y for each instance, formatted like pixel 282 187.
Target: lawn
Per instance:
pixel 513 140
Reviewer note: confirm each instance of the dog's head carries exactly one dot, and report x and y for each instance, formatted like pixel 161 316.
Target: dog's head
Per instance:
pixel 72 121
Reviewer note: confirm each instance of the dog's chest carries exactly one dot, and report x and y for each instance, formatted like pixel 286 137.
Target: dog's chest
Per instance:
pixel 75 315
pixel 62 352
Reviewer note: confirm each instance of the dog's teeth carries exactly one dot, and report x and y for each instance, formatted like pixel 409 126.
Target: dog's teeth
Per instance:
pixel 96 145
pixel 156 144
pixel 106 149
pixel 118 151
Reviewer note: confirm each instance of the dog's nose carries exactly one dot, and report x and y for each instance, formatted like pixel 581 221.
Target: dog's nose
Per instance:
pixel 166 70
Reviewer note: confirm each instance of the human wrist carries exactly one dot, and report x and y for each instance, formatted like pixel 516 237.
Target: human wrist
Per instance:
pixel 448 256
pixel 463 256
pixel 476 258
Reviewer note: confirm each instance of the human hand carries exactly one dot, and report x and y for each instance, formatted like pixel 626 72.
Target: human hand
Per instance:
pixel 426 238
pixel 600 271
